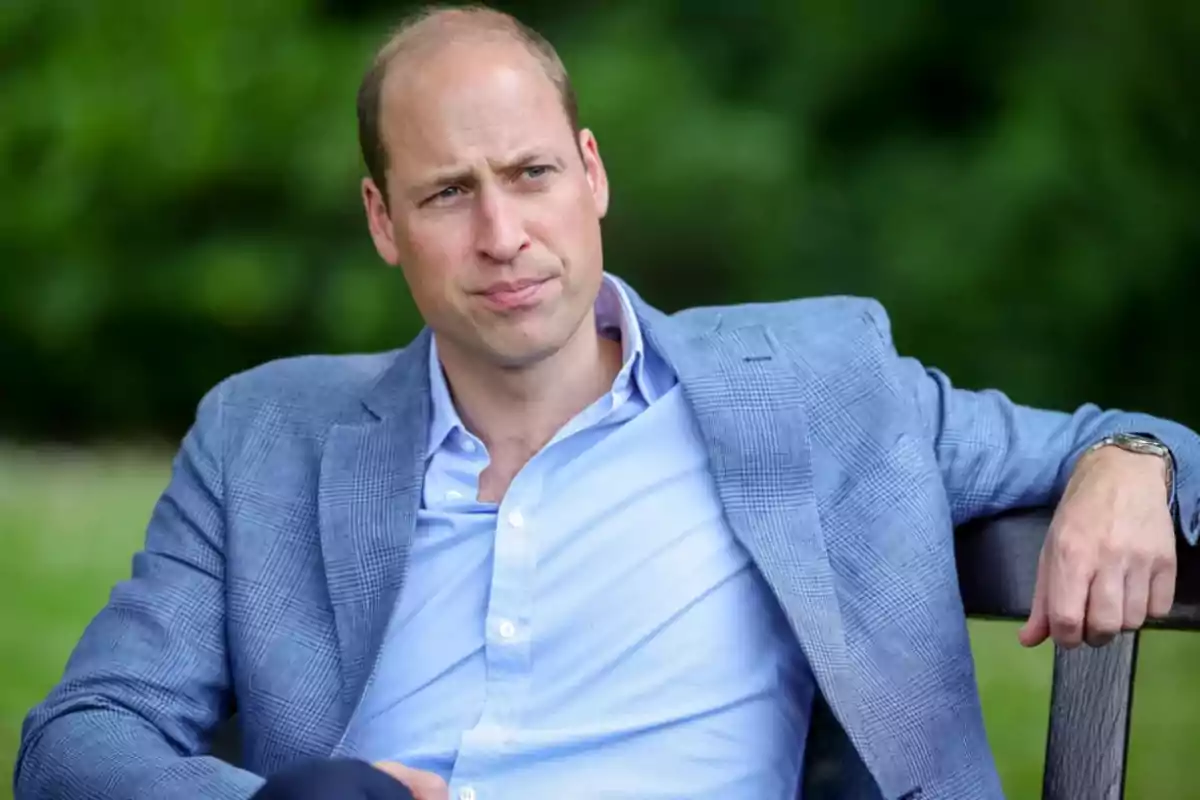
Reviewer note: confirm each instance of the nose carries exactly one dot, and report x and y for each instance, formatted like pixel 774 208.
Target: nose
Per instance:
pixel 500 231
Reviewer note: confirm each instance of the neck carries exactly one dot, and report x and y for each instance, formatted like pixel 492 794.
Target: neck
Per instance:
pixel 517 411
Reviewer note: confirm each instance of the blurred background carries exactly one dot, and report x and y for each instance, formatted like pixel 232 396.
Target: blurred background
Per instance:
pixel 1018 182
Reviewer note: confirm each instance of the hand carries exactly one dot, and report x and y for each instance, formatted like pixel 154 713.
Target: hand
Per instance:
pixel 423 785
pixel 1109 556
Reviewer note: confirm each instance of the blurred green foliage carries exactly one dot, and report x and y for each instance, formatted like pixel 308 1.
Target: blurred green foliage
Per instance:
pixel 1018 182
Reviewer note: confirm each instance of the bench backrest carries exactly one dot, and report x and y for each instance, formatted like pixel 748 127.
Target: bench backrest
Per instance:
pixel 1092 690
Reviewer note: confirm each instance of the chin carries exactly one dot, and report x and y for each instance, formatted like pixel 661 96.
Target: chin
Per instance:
pixel 528 355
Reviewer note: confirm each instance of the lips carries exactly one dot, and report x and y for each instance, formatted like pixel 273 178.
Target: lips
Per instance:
pixel 507 295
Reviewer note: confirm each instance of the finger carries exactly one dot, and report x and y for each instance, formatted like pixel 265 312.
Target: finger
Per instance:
pixel 1137 595
pixel 1070 575
pixel 1037 627
pixel 423 785
pixel 1105 605
pixel 1162 588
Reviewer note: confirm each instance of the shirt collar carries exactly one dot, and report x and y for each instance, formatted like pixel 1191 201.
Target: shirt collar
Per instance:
pixel 615 318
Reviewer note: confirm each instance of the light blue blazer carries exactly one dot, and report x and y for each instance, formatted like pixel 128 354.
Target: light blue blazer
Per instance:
pixel 275 555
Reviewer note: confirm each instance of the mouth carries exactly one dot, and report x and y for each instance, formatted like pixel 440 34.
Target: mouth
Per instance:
pixel 509 295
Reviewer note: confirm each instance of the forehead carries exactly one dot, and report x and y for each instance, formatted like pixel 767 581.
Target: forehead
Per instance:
pixel 466 102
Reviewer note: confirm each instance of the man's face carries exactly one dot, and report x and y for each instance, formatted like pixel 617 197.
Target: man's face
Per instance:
pixel 494 204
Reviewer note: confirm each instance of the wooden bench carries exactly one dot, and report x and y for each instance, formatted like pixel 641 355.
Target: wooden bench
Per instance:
pixel 1092 689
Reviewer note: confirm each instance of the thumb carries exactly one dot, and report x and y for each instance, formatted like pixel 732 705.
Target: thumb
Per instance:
pixel 1037 628
pixel 423 785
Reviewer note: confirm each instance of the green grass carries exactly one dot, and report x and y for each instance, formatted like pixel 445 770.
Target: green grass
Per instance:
pixel 70 522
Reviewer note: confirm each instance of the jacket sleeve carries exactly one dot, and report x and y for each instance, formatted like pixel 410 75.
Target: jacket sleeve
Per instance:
pixel 996 455
pixel 149 680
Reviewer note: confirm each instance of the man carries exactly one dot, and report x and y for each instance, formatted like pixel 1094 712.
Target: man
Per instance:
pixel 563 544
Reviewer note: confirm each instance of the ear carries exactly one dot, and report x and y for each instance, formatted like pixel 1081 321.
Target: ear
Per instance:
pixel 594 167
pixel 379 222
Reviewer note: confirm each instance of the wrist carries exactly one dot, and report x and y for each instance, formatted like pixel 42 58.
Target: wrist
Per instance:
pixel 1136 453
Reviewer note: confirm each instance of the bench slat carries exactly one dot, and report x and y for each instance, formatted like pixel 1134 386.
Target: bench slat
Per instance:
pixel 1090 704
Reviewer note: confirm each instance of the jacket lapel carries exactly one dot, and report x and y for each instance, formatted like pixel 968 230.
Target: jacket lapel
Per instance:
pixel 370 489
pixel 750 404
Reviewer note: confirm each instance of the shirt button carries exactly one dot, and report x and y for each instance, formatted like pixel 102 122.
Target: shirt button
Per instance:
pixel 516 519
pixel 507 629
pixel 453 495
pixel 468 445
pixel 466 793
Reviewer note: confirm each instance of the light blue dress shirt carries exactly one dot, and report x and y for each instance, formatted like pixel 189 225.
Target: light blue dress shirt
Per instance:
pixel 598 633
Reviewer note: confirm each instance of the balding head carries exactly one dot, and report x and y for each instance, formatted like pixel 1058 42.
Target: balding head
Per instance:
pixel 494 196
pixel 425 34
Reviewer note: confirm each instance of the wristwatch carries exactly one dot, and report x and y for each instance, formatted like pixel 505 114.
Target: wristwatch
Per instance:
pixel 1146 445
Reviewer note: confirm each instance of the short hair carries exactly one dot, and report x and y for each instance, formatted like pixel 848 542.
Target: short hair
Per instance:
pixel 447 20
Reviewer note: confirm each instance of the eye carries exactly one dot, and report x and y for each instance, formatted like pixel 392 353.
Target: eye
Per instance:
pixel 449 193
pixel 536 171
